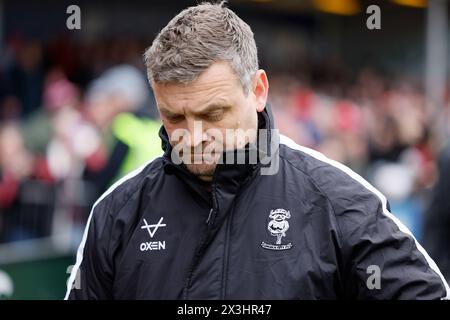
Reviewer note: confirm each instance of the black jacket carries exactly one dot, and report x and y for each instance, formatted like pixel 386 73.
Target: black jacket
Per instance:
pixel 313 230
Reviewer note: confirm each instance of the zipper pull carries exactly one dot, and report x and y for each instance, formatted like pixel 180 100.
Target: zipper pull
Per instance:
pixel 209 216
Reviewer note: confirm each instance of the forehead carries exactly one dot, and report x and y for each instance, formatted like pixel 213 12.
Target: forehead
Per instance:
pixel 217 83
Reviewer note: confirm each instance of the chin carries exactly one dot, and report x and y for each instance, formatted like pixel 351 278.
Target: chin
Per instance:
pixel 203 170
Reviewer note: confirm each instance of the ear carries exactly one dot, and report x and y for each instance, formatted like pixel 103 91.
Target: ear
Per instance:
pixel 260 89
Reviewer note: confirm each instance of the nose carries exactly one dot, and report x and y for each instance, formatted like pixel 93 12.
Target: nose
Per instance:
pixel 196 134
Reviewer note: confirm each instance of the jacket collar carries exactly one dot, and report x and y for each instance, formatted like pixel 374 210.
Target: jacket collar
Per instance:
pixel 227 177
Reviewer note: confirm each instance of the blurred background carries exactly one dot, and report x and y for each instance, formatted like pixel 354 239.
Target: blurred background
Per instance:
pixel 77 113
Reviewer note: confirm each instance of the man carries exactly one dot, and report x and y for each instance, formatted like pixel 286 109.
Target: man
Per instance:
pixel 290 225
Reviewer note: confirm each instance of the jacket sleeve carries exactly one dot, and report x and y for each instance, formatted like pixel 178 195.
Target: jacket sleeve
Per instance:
pixel 382 258
pixel 91 277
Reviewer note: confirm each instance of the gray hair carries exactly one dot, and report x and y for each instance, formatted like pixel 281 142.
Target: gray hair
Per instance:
pixel 196 38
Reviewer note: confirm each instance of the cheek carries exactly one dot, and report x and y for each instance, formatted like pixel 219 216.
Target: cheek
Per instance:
pixel 238 119
pixel 174 132
pixel 248 119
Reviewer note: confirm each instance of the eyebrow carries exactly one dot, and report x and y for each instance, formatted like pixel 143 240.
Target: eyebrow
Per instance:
pixel 210 108
pixel 213 107
pixel 168 113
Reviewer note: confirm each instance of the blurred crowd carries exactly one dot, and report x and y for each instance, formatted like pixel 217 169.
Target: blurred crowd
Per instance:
pixel 74 119
pixel 77 116
pixel 381 129
pixel 384 129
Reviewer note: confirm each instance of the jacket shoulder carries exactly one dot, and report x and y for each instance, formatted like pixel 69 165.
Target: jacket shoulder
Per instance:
pixel 342 186
pixel 121 192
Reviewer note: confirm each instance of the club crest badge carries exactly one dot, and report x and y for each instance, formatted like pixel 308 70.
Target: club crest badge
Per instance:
pixel 277 227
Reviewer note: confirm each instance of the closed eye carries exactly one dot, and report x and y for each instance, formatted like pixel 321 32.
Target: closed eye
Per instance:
pixel 174 118
pixel 214 116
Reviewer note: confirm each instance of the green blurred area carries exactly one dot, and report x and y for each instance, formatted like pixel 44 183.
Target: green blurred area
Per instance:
pixel 43 279
pixel 35 270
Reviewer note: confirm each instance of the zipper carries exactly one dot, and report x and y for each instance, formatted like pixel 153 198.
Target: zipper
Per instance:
pixel 226 254
pixel 209 223
pixel 227 241
pixel 213 212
